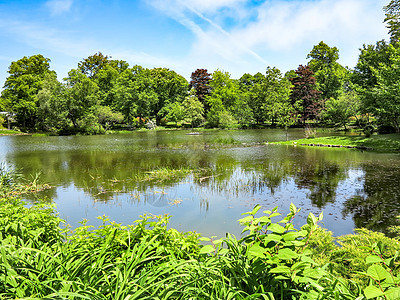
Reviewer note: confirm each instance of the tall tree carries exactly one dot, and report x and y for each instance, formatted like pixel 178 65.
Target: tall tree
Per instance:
pixel 53 110
pixel 330 75
pixel 169 86
pixel 224 100
pixel 92 65
pixel 193 110
pixel 267 94
pixel 392 20
pixel 200 82
pixel 22 86
pixel 371 57
pixel 385 95
pixel 305 97
pixel 134 94
pixel 81 97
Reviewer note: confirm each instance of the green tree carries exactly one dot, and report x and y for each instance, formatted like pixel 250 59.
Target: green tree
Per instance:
pixel 193 110
pixel 53 110
pixel 92 65
pixel 371 57
pixel 339 110
pixel 268 94
pixel 330 75
pixel 173 112
pixel 169 86
pixel 134 94
pixel 392 20
pixel 22 87
pixel 108 118
pixel 81 98
pixel 225 100
pixel 385 95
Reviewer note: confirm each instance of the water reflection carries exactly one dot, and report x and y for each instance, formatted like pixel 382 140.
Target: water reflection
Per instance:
pixel 207 183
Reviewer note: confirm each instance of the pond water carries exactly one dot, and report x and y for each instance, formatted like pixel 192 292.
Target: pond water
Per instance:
pixel 205 182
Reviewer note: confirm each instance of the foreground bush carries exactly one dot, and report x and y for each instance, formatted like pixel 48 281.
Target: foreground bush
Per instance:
pixel 40 260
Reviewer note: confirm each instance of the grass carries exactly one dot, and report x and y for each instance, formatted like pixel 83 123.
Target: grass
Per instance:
pixel 380 143
pixel 10 132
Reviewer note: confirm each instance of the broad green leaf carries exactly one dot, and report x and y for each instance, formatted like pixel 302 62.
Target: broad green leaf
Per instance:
pixel 264 219
pixel 217 242
pixel 280 269
pixel 378 272
pixel 207 249
pixel 372 292
pixel 204 239
pixel 311 219
pixel 276 228
pixel 274 215
pixel 293 208
pixel 373 259
pixel 256 251
pixel 255 209
pixel 272 237
pixel 291 236
pixel 393 294
pixel 246 219
pixel 286 254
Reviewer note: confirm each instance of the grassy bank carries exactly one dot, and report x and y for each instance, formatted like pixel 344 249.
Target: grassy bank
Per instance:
pixel 381 143
pixel 41 258
pixel 10 132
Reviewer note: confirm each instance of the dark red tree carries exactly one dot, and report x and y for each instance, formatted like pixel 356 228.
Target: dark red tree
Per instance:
pixel 200 80
pixel 305 97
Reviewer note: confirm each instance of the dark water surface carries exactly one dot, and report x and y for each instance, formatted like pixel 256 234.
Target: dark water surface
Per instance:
pixel 124 176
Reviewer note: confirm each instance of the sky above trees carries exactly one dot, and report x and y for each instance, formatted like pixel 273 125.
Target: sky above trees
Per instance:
pixel 238 36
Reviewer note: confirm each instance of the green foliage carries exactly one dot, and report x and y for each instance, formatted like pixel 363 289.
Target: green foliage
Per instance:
pixel 269 97
pixel 339 110
pixel 107 118
pixel 193 110
pixel 329 73
pixel 2 122
pixel 146 260
pixel 392 12
pixel 22 86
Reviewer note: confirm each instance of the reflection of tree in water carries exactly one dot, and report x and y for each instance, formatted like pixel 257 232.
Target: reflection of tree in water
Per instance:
pixel 378 204
pixel 237 172
pixel 321 178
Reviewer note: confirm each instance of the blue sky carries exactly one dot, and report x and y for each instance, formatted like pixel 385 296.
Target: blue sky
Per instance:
pixel 238 36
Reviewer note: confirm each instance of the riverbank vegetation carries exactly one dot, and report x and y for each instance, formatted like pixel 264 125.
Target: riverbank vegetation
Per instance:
pixel 42 258
pixel 101 93
pixel 381 143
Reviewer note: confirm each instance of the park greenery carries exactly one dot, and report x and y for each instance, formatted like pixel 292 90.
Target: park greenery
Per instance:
pixel 102 93
pixel 42 258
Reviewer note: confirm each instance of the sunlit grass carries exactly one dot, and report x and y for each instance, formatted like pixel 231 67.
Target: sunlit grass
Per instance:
pixel 10 132
pixel 381 143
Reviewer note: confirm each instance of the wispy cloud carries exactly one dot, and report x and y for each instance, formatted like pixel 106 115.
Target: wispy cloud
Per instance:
pixel 42 37
pixel 58 7
pixel 238 31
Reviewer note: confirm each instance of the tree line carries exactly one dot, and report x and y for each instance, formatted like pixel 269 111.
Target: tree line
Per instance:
pixel 104 93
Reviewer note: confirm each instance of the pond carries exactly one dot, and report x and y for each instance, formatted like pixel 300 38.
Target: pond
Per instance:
pixel 206 181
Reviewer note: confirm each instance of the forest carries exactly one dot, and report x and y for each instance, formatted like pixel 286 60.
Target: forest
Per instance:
pixel 103 93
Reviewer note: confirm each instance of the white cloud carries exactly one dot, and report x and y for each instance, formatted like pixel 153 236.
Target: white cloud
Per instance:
pixel 58 7
pixel 263 31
